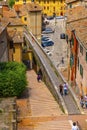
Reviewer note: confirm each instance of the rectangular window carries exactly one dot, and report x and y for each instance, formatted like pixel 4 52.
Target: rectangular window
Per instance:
pixel 44 7
pixel 13 49
pixel 48 8
pixel 81 71
pixel 11 44
pixel 78 63
pixel 24 1
pixel 70 5
pixel 44 1
pixel 72 41
pixel 86 57
pixel 53 1
pixel 54 9
pixel 81 49
pixel 47 1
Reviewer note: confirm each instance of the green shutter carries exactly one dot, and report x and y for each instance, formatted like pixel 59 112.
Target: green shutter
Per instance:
pixel 78 63
pixel 81 71
pixel 71 60
pixel 72 41
pixel 86 56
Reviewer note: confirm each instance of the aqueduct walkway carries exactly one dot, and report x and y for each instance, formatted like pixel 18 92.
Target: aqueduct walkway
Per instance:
pixel 69 104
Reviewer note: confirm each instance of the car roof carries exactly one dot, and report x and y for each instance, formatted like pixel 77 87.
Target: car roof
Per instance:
pixel 47 41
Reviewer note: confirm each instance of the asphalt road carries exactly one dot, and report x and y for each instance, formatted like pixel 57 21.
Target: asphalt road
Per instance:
pixel 59 49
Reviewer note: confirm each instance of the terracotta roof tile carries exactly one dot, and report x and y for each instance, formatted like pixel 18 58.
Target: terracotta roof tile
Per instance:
pixel 21 9
pixel 17 7
pixel 76 13
pixel 17 37
pixel 80 28
pixel 9 13
pixel 3 25
pixel 15 21
pixel 33 7
pixel 69 1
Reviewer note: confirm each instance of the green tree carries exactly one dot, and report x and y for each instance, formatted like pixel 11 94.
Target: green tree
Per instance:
pixel 12 79
pixel 11 3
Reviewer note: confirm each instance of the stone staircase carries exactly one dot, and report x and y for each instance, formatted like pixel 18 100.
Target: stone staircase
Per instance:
pixel 53 125
pixel 40 111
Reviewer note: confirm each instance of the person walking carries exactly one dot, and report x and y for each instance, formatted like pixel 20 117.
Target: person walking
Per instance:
pixel 82 101
pixel 62 60
pixel 65 88
pixel 38 77
pixel 85 98
pixel 61 89
pixel 74 126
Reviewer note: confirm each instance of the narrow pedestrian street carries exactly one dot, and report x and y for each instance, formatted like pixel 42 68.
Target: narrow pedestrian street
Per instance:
pixel 40 111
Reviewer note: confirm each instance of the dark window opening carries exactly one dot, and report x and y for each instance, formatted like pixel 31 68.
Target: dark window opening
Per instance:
pixel 78 63
pixel 81 71
pixel 11 44
pixel 86 56
pixel 13 49
pixel 81 49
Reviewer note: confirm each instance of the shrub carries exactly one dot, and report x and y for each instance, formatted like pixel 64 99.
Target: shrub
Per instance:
pixel 12 79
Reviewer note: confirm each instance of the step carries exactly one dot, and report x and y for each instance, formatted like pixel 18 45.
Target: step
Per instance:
pixel 53 125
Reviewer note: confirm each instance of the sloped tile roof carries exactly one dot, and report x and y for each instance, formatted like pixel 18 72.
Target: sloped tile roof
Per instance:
pixel 33 7
pixel 70 1
pixel 24 8
pixel 3 25
pixel 21 9
pixel 15 21
pixel 77 20
pixel 9 13
pixel 76 13
pixel 80 28
pixel 16 36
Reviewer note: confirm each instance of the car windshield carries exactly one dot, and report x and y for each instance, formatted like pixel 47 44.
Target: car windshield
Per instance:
pixel 47 29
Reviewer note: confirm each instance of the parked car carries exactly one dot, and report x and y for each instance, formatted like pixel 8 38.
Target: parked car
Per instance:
pixel 44 38
pixel 47 43
pixel 48 30
pixel 59 17
pixel 62 36
pixel 50 17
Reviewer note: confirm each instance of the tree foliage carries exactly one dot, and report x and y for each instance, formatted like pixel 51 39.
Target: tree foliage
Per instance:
pixel 12 79
pixel 11 3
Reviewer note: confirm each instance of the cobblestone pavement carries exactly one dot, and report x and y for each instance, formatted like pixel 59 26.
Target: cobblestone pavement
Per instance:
pixel 40 111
